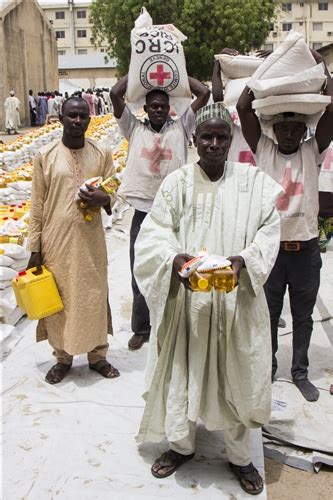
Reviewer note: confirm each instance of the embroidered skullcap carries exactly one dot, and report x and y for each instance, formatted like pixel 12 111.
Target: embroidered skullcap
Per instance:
pixel 12 93
pixel 215 110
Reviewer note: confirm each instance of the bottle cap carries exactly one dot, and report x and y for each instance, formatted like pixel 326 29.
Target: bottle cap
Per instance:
pixel 202 283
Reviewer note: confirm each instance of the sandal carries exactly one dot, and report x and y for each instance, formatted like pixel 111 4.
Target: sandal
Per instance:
pixel 246 475
pixel 170 459
pixel 57 373
pixel 105 369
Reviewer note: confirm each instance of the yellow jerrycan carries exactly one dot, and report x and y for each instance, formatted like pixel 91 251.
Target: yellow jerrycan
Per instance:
pixel 37 294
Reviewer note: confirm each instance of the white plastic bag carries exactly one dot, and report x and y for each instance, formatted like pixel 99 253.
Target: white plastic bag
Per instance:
pixel 309 81
pixel 238 66
pixel 233 89
pixel 307 104
pixel 157 62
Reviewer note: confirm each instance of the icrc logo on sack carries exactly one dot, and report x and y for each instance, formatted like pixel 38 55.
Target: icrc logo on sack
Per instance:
pixel 161 72
pixel 157 62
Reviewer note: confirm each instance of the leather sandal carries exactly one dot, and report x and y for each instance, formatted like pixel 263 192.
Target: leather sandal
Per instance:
pixel 136 341
pixel 57 373
pixel 171 460
pixel 248 474
pixel 105 369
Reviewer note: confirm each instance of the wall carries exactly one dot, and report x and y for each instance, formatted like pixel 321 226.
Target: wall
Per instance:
pixel 28 51
pixel 92 74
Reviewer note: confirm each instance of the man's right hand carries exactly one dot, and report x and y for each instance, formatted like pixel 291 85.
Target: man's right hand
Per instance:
pixel 178 262
pixel 35 261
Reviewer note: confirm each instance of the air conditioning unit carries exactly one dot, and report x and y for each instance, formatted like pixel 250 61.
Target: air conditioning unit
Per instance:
pixel 330 33
pixel 274 34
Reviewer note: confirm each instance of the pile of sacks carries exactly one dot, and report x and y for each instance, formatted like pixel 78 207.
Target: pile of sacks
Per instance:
pixel 289 79
pixel 15 193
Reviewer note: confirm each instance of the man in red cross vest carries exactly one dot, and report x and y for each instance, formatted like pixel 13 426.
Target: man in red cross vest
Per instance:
pixel 157 147
pixel 294 163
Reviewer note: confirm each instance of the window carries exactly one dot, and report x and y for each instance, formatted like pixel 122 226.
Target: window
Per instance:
pixel 287 7
pixel 301 4
pixel 268 46
pixel 81 14
pixel 61 52
pixel 301 23
pixel 102 50
pixel 82 51
pixel 317 26
pixel 60 34
pixel 287 26
pixel 60 14
pixel 82 33
pixel 322 5
pixel 317 45
pixel 271 26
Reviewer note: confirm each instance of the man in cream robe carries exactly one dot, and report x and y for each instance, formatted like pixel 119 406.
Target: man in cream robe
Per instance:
pixel 12 106
pixel 210 353
pixel 72 248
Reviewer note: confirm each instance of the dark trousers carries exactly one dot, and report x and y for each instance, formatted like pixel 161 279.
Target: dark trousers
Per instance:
pixel 140 311
pixel 300 271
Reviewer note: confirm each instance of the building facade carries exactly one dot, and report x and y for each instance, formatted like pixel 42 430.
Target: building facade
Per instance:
pixel 70 20
pixel 312 18
pixel 28 51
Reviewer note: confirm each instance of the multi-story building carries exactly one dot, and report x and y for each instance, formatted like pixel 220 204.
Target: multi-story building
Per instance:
pixel 70 20
pixel 312 18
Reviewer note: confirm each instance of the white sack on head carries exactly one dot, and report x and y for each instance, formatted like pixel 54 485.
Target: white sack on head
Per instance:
pixel 307 104
pixel 291 57
pixel 233 89
pixel 157 62
pixel 238 66
pixel 309 81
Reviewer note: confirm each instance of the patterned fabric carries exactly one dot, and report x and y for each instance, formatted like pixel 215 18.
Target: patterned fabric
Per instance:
pixel 288 117
pixel 216 110
pixel 325 226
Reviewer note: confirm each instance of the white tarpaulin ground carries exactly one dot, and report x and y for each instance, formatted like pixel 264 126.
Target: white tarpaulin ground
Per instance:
pixel 76 440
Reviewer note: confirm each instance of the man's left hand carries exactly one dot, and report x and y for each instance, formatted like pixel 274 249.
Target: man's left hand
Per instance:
pixel 94 197
pixel 237 263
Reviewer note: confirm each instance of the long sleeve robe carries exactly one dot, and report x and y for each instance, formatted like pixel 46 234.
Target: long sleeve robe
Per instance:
pixel 209 353
pixel 72 249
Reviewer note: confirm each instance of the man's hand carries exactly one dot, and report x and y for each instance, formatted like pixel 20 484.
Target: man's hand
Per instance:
pixel 94 197
pixel 229 52
pixel 178 262
pixel 263 53
pixel 35 261
pixel 237 263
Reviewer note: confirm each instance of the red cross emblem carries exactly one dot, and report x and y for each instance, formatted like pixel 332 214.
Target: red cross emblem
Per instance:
pixel 291 189
pixel 246 157
pixel 328 162
pixel 155 155
pixel 160 75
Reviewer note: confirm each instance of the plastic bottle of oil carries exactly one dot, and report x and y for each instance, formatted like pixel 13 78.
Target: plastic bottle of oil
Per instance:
pixel 201 282
pixel 223 280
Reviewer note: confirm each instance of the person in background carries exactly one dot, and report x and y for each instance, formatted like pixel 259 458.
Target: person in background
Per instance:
pixel 12 105
pixel 293 162
pixel 32 109
pixel 157 146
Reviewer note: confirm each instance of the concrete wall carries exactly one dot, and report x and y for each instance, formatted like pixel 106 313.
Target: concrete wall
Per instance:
pixel 28 51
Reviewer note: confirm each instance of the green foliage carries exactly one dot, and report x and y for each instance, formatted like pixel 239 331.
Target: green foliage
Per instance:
pixel 209 25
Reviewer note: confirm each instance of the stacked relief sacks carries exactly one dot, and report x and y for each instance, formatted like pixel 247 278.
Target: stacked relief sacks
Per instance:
pixel 289 80
pixel 157 62
pixel 13 258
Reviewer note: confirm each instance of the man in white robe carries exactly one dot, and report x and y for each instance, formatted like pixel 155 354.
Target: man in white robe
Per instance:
pixel 210 353
pixel 12 106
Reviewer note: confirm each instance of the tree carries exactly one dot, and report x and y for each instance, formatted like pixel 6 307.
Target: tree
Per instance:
pixel 209 25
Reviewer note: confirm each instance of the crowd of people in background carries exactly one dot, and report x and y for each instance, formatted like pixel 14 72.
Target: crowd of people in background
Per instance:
pixel 48 104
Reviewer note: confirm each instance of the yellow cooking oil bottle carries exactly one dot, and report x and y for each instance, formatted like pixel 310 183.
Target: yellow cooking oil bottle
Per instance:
pixel 201 282
pixel 109 186
pixel 223 279
pixel 37 294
